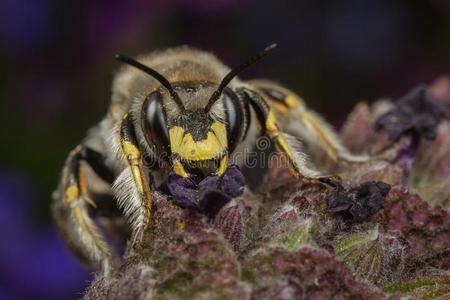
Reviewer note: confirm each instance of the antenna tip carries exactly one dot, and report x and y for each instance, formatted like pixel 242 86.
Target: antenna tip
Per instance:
pixel 117 56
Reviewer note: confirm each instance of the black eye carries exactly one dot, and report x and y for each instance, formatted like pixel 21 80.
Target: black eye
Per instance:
pixel 234 118
pixel 154 124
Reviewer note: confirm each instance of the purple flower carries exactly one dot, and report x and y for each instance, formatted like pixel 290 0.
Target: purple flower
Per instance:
pixel 359 203
pixel 183 190
pixel 417 114
pixel 210 194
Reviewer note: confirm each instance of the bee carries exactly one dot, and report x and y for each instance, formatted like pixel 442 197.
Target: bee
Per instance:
pixel 188 118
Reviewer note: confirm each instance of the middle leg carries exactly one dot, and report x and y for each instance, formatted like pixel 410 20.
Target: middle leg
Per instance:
pixel 315 129
pixel 285 143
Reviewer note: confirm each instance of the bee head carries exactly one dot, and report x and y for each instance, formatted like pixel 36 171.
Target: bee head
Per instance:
pixel 200 140
pixel 193 125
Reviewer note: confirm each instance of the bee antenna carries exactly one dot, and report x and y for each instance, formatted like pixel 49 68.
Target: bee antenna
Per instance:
pixel 154 74
pixel 235 71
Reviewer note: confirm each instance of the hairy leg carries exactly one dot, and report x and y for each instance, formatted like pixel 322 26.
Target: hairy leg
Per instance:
pixel 70 210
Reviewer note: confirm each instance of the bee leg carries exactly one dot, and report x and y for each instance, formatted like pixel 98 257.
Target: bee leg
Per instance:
pixel 317 129
pixel 136 200
pixel 285 143
pixel 70 210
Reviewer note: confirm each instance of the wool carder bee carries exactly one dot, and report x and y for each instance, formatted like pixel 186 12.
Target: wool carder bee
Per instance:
pixel 187 119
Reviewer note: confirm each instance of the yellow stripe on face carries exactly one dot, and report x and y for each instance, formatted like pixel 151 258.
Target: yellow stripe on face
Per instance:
pixel 220 131
pixel 208 148
pixel 223 165
pixel 179 169
pixel 176 134
pixel 213 146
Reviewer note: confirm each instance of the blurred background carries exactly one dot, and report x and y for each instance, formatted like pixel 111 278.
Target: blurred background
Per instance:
pixel 57 63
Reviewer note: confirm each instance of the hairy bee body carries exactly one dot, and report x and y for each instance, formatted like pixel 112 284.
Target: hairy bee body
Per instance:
pixel 191 118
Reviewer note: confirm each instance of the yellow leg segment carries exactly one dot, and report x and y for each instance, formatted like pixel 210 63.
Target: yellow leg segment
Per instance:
pixel 133 156
pixel 296 158
pixel 70 211
pixel 286 144
pixel 288 103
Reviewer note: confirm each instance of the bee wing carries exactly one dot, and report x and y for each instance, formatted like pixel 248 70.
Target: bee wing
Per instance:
pixel 319 131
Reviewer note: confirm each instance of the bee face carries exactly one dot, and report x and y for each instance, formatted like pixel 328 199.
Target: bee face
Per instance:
pixel 189 137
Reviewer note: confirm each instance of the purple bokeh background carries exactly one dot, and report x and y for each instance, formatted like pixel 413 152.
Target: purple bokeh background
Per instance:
pixel 57 63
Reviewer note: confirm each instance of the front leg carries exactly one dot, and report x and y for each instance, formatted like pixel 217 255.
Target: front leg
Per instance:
pixel 132 188
pixel 70 210
pixel 286 144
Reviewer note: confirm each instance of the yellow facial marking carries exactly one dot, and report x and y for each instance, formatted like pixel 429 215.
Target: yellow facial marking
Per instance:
pixel 223 165
pixel 179 169
pixel 176 137
pixel 200 150
pixel 72 193
pixel 184 145
pixel 220 131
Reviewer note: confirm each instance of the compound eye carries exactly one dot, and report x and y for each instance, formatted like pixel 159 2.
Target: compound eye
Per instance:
pixel 234 119
pixel 154 124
